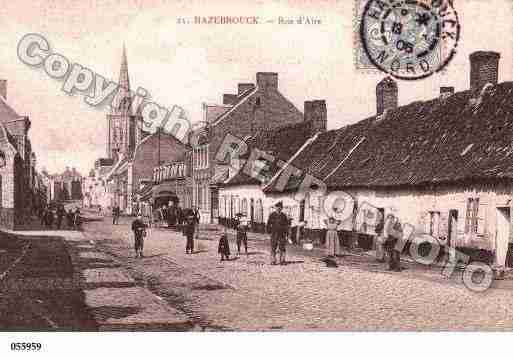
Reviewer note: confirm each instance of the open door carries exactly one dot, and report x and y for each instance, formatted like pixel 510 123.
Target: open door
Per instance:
pixel 502 235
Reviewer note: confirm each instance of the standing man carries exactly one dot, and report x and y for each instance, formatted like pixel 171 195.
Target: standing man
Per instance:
pixel 163 215
pixel 197 218
pixel 171 215
pixel 139 229
pixel 190 224
pixel 277 226
pixel 394 234
pixel 61 212
pixel 115 214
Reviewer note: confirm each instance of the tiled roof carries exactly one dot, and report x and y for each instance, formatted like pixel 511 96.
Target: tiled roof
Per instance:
pixel 464 137
pixel 282 143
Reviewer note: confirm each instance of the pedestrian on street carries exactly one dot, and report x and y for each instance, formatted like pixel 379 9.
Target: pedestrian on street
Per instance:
pixel 189 228
pixel 394 233
pixel 69 218
pixel 197 218
pixel 49 218
pixel 61 212
pixel 163 215
pixel 179 216
pixel 77 221
pixel 139 229
pixel 332 241
pixel 277 226
pixel 224 246
pixel 242 236
pixel 171 215
pixel 43 215
pixel 379 239
pixel 115 214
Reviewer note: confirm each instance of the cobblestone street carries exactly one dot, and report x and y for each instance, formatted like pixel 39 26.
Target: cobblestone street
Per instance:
pixel 249 294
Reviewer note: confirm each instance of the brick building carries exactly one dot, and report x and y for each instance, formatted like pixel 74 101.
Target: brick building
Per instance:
pixel 254 107
pixel 128 175
pixel 17 184
pixel 267 151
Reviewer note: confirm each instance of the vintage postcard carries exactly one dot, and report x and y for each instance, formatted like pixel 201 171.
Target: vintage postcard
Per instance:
pixel 255 166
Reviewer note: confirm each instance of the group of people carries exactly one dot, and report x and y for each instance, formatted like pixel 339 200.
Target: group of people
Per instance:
pixel 389 232
pixel 173 215
pixel 242 227
pixel 277 226
pixel 50 215
pixel 185 219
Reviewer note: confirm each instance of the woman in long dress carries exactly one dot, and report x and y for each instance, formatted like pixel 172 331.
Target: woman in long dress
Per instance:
pixel 332 242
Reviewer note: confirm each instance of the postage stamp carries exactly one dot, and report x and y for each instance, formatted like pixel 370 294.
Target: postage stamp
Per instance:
pixel 409 40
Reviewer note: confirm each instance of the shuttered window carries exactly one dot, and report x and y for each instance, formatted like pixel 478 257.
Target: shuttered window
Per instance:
pixel 473 223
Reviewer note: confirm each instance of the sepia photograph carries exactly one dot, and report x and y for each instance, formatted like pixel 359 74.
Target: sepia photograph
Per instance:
pixel 197 172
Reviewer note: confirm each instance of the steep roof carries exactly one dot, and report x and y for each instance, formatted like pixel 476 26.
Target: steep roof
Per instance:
pixel 7 113
pixel 464 137
pixel 281 143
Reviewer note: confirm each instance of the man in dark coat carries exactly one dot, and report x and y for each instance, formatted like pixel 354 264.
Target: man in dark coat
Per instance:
pixel 189 227
pixel 277 226
pixel 61 212
pixel 197 218
pixel 139 229
pixel 394 233
pixel 115 214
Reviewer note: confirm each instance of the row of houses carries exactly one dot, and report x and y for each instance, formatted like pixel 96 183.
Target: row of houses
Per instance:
pixel 22 189
pixel 443 166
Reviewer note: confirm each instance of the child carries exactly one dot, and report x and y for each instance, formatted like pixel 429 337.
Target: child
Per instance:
pixel 224 247
pixel 139 229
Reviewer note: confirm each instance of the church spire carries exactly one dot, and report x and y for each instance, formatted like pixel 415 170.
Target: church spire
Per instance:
pixel 124 81
pixel 123 99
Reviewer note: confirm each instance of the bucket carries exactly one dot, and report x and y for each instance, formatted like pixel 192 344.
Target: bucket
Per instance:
pixel 308 246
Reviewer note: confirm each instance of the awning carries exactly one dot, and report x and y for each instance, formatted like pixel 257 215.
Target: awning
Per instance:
pixel 164 190
pixel 145 192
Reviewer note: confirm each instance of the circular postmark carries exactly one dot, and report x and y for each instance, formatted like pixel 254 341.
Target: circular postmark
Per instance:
pixel 410 39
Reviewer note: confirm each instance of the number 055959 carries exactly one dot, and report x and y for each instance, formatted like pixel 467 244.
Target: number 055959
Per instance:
pixel 26 346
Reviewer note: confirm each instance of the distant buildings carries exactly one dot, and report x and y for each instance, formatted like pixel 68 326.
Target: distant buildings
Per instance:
pixel 131 152
pixel 65 186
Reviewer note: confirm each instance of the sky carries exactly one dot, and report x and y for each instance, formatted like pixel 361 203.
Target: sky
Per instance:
pixel 189 64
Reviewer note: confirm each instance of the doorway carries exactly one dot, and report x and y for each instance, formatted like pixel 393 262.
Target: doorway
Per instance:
pixel 502 235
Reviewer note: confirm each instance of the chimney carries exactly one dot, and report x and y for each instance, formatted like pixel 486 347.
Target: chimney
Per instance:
pixel 484 68
pixel 244 87
pixel 229 99
pixel 3 88
pixel 315 112
pixel 267 80
pixel 446 91
pixel 386 95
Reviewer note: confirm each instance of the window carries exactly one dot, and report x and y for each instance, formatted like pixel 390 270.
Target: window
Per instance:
pixel 244 208
pixel 471 218
pixel 201 157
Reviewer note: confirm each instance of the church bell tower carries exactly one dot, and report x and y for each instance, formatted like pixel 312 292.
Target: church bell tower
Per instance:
pixel 121 121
